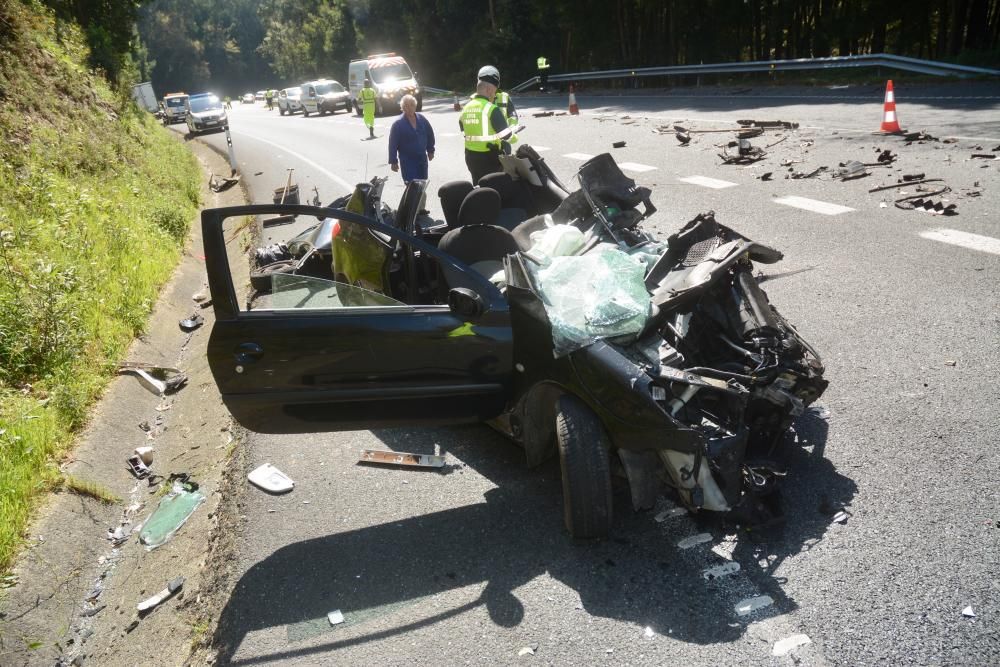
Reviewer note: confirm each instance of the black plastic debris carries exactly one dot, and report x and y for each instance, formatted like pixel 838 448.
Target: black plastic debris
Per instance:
pixel 191 323
pixel 747 154
pixel 766 176
pixel 137 467
pixel 913 177
pixel 929 205
pixel 543 114
pixel 276 252
pixel 750 134
pixel 221 183
pixel 910 137
pixel 683 137
pixel 886 157
pixel 618 144
pixel 807 174
pixel 984 156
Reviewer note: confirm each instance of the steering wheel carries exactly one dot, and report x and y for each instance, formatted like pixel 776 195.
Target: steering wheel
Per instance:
pixel 406 216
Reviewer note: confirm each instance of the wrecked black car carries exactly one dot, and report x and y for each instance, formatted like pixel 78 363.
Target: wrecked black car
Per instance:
pixel 547 312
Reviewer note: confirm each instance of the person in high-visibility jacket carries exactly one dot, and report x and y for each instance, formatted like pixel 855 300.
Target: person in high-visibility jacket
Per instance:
pixel 543 72
pixel 506 104
pixel 367 95
pixel 484 127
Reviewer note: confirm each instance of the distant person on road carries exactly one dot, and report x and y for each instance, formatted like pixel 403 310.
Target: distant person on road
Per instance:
pixel 543 73
pixel 484 127
pixel 367 95
pixel 269 98
pixel 228 102
pixel 411 142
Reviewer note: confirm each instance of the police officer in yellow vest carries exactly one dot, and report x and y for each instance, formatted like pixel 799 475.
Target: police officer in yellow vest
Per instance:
pixel 367 95
pixel 543 72
pixel 484 126
pixel 506 104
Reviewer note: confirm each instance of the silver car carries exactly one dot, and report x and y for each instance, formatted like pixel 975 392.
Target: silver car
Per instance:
pixel 289 100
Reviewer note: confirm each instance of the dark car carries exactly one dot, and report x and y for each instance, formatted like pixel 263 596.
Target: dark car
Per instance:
pixel 324 96
pixel 611 350
pixel 205 113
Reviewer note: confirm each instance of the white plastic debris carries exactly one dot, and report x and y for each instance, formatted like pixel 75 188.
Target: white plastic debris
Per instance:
pixel 670 513
pixel 527 650
pixel 271 479
pixel 336 617
pixel 694 540
pixel 648 632
pixel 968 613
pixel 146 454
pixel 723 570
pixel 750 605
pixel 789 644
pixel 841 516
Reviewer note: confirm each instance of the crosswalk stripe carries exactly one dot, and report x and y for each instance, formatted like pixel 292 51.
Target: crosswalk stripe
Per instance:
pixel 814 205
pixel 634 166
pixel 578 156
pixel 964 239
pixel 540 149
pixel 707 182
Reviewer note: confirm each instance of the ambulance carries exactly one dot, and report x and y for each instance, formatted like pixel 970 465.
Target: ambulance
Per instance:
pixel 391 78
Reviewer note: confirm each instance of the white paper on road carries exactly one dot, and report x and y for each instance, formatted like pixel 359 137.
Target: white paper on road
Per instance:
pixel 964 240
pixel 814 205
pixel 706 182
pixel 634 166
pixel 789 644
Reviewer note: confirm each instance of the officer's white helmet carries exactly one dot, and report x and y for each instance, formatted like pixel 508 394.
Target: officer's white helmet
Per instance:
pixel 490 74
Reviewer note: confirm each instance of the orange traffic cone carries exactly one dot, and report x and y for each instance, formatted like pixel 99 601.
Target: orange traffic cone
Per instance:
pixel 574 110
pixel 456 105
pixel 890 124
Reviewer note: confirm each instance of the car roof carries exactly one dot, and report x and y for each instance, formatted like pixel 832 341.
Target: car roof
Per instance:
pixel 313 83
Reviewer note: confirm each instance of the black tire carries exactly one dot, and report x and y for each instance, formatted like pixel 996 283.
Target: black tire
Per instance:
pixel 420 103
pixel 260 279
pixel 305 112
pixel 281 110
pixel 357 108
pixel 584 450
pixel 347 106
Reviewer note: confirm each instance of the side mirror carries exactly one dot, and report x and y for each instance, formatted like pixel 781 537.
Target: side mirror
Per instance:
pixel 465 303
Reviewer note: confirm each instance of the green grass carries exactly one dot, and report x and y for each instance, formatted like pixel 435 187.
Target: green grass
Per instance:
pixel 97 202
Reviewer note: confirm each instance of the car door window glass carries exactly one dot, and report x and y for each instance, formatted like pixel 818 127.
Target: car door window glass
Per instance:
pixel 290 291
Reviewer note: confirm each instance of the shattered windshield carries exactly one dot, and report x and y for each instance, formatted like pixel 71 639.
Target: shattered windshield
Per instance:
pixel 204 103
pixel 390 73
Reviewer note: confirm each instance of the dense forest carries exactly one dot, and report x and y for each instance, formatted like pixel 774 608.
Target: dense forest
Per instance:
pixel 236 45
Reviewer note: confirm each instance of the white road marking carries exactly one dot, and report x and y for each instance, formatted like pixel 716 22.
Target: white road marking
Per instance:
pixel 789 644
pixel 540 149
pixel 813 205
pixel 326 172
pixel 724 570
pixel 578 156
pixel 694 540
pixel 707 182
pixel 964 239
pixel 746 607
pixel 632 166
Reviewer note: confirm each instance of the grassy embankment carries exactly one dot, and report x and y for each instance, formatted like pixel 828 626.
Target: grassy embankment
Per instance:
pixel 97 201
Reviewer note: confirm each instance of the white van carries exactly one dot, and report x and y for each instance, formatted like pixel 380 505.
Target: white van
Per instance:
pixel 174 108
pixel 391 78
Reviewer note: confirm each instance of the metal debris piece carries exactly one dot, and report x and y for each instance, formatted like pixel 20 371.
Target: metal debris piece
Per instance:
pixel 841 517
pixel 222 183
pixel 724 570
pixel 789 644
pixel 747 154
pixel 913 177
pixel 93 611
pixel 191 323
pixel 750 134
pixel 769 124
pixel 950 362
pixel 401 459
pixel 911 182
pixel 984 156
pixel 910 137
pixel 802 174
pixel 968 613
pixel 149 603
pixel 618 144
pixel 158 379
pixel 930 205
pixel 748 606
pixel 335 617
pixel 683 137
pixel 851 170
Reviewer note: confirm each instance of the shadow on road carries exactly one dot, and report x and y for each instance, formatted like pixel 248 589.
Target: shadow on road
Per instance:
pixel 639 576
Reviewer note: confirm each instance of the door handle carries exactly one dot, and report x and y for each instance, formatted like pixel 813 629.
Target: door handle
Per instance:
pixel 248 353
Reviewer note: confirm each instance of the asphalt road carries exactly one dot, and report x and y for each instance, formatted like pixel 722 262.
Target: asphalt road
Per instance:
pixel 472 566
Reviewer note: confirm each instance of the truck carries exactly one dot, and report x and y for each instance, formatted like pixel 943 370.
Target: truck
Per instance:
pixel 174 108
pixel 391 78
pixel 144 96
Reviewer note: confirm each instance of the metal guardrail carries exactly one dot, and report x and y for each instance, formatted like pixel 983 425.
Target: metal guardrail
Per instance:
pixel 930 67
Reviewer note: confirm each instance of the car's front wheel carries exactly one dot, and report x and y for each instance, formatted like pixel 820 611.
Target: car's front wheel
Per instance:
pixel 584 449
pixel 305 111
pixel 347 106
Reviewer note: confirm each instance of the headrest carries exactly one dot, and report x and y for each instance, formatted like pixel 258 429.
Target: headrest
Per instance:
pixel 499 181
pixel 480 207
pixel 452 194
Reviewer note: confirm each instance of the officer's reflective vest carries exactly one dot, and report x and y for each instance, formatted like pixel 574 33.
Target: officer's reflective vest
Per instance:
pixel 476 125
pixel 502 100
pixel 543 63
pixel 367 96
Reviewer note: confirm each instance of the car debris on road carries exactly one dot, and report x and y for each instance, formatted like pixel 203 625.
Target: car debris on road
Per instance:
pixel 376 456
pixel 270 479
pixel 154 601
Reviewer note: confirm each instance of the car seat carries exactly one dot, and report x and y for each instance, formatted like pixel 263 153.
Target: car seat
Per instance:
pixel 476 241
pixel 452 194
pixel 515 200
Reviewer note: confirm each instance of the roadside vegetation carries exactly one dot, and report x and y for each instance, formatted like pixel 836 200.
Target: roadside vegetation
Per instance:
pixel 97 202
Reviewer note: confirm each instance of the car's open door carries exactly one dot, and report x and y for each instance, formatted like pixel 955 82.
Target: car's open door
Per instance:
pixel 325 356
